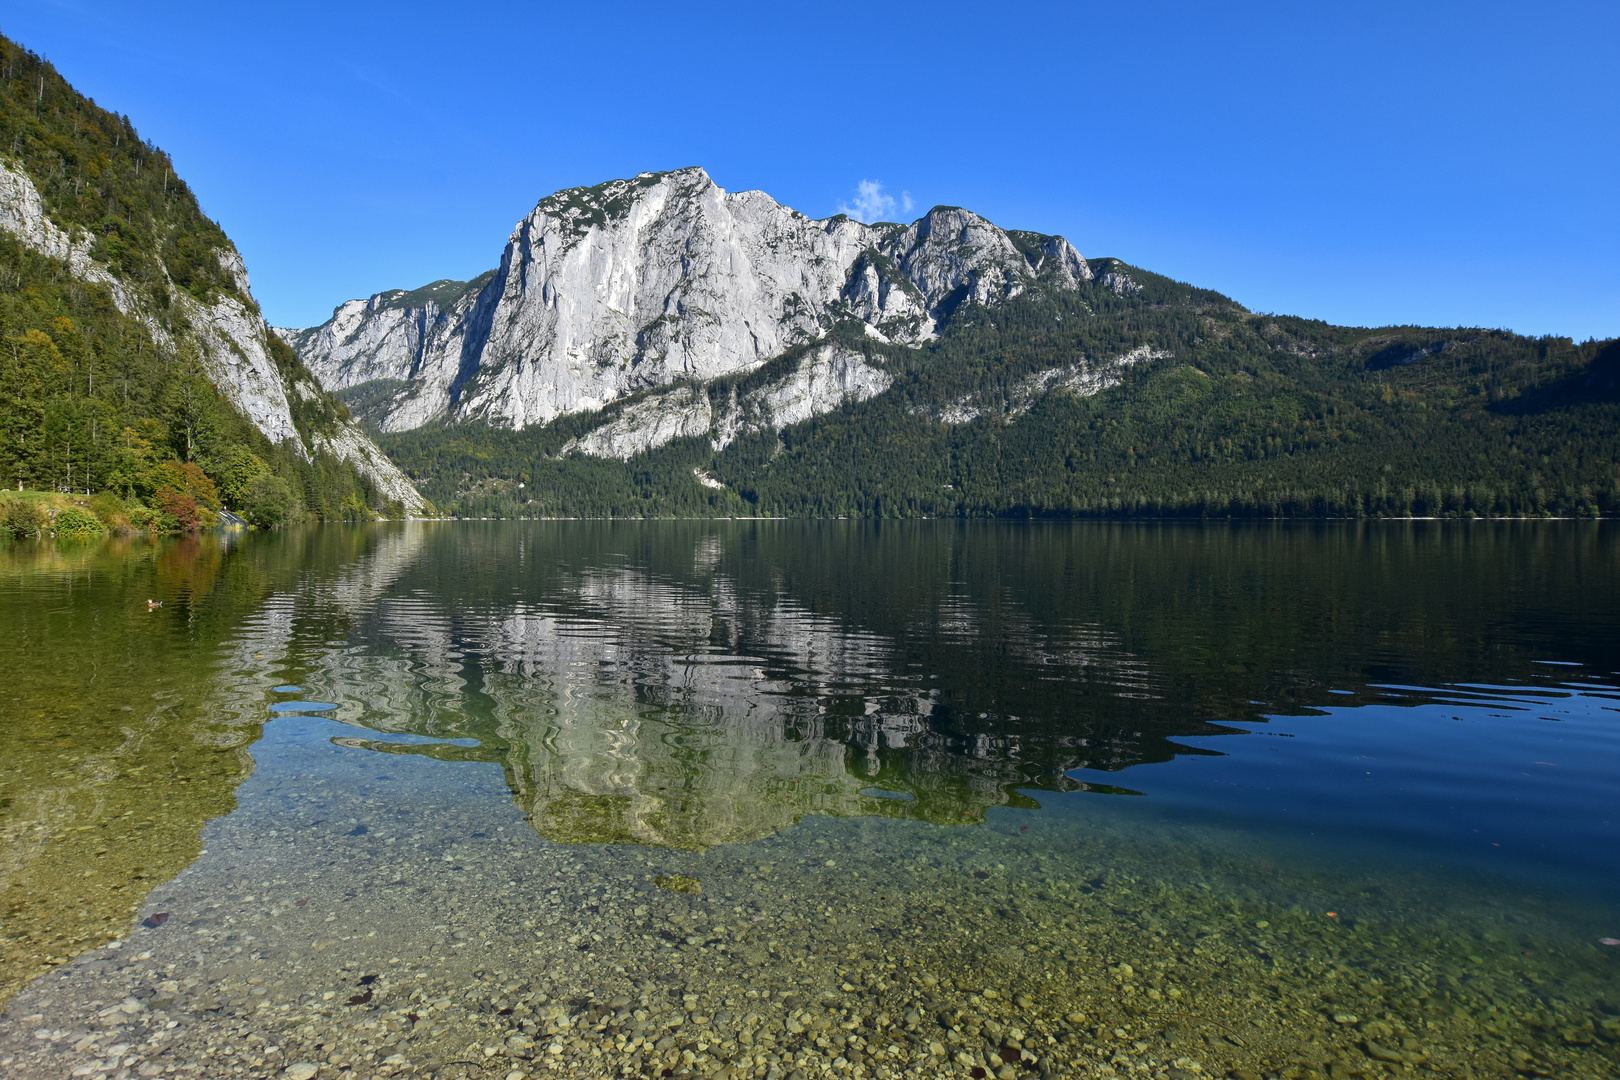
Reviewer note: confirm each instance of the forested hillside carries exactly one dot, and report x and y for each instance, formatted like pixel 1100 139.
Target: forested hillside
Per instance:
pixel 1232 413
pixel 95 399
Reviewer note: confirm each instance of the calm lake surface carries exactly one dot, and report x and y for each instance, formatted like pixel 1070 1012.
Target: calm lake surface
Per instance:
pixel 789 800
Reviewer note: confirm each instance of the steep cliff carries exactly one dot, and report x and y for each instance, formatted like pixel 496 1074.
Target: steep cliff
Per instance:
pixel 412 339
pixel 635 284
pixel 814 382
pixel 1129 395
pixel 86 201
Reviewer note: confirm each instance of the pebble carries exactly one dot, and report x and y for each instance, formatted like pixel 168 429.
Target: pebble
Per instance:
pixel 1384 1053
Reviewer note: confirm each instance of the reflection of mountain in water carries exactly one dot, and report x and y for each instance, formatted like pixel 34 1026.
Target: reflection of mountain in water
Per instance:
pixel 632 707
pixel 695 683
pixel 320 593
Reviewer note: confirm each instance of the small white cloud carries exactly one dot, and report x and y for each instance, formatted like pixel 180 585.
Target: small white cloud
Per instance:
pixel 905 202
pixel 871 202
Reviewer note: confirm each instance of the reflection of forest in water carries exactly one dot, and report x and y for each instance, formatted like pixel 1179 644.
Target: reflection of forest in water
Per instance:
pixel 115 748
pixel 137 673
pixel 688 684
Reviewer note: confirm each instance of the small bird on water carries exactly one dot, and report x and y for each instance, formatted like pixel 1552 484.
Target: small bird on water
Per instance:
pixel 150 604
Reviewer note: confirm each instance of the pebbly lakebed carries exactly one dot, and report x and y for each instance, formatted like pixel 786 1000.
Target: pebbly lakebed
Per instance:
pixel 788 800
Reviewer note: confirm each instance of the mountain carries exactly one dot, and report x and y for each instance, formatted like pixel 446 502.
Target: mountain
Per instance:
pixel 663 278
pixel 137 342
pixel 657 346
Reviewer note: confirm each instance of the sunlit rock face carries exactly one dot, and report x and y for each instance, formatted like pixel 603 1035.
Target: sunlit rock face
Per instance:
pixel 415 339
pixel 817 381
pixel 635 284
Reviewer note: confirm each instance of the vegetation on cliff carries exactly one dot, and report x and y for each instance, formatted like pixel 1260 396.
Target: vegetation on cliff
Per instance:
pixel 89 400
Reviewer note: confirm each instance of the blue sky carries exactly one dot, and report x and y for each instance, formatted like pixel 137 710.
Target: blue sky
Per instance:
pixel 1365 163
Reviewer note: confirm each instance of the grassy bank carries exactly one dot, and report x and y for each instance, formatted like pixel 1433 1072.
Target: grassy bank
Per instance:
pixel 26 515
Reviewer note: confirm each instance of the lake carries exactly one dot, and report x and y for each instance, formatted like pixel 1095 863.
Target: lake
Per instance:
pixel 784 800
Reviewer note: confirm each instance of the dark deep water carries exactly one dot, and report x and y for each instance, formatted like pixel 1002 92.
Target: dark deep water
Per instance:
pixel 1299 773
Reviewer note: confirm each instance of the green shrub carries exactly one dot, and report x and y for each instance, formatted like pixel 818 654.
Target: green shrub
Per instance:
pixel 77 523
pixel 269 501
pixel 144 517
pixel 112 511
pixel 21 518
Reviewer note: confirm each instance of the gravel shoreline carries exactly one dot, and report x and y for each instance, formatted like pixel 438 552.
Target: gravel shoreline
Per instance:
pixel 343 927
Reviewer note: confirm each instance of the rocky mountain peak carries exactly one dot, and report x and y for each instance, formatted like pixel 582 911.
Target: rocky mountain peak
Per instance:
pixel 637 283
pixel 583 207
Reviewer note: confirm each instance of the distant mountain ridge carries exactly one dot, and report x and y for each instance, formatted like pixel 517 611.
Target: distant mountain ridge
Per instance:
pixel 638 284
pixel 657 346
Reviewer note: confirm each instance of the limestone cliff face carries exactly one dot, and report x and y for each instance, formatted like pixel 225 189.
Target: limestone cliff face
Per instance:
pixel 230 337
pixel 818 382
pixel 661 279
pixel 416 337
pixel 1082 378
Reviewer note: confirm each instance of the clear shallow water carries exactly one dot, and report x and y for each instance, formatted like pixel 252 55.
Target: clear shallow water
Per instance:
pixel 1285 800
pixel 1512 782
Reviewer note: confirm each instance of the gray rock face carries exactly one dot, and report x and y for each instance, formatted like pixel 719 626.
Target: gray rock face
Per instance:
pixel 230 337
pixel 1082 378
pixel 634 284
pixel 415 337
pixel 681 413
pixel 824 378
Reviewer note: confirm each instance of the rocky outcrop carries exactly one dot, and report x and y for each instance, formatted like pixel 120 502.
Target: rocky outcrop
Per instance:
pixel 22 213
pixel 412 337
pixel 229 335
pixel 348 443
pixel 658 420
pixel 664 278
pixel 821 380
pixel 1082 378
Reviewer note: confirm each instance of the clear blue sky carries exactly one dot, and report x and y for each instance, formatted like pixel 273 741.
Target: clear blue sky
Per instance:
pixel 1365 163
